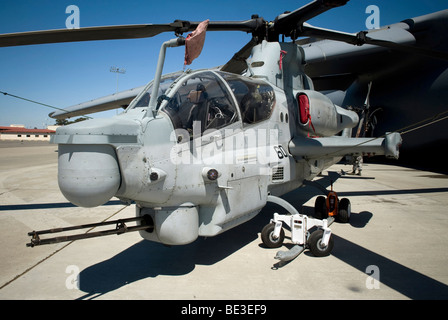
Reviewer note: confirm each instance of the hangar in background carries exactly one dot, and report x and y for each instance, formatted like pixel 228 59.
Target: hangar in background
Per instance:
pixel 20 133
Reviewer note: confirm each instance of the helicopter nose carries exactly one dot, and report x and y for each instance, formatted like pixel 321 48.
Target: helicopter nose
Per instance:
pixel 88 175
pixel 88 169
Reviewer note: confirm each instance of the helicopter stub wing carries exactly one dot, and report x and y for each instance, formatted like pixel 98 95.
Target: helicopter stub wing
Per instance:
pixel 314 148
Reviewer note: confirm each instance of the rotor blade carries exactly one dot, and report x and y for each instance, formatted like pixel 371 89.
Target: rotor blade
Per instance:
pixel 308 30
pixel 408 49
pixel 238 62
pixel 287 23
pixel 83 34
pixel 117 100
pixel 250 25
pixel 394 38
pixel 110 102
pixel 120 32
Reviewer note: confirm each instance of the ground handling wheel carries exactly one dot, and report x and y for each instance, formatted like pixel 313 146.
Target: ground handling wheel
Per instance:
pixel 344 211
pixel 315 244
pixel 267 236
pixel 332 206
pixel 320 208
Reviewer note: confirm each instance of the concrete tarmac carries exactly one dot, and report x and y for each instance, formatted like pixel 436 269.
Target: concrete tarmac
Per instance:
pixel 395 246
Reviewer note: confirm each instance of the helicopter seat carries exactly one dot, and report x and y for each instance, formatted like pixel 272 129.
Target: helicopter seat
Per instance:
pixel 197 112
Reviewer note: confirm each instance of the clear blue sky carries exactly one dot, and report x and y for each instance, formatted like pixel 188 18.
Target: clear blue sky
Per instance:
pixel 66 74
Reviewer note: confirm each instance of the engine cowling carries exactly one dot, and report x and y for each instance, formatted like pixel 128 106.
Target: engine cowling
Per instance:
pixel 318 116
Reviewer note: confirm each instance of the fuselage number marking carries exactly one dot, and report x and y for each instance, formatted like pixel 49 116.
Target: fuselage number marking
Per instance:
pixel 281 153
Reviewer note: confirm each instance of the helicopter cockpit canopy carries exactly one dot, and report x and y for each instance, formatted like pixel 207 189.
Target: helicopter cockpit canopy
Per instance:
pixel 213 100
pixel 255 97
pixel 142 100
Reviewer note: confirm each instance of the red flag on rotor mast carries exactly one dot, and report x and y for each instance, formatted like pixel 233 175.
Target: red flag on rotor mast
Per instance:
pixel 195 42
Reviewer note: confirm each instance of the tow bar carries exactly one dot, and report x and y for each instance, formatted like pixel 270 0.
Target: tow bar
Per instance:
pixel 120 228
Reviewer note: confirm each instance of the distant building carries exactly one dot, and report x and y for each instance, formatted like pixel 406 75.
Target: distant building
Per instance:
pixel 17 132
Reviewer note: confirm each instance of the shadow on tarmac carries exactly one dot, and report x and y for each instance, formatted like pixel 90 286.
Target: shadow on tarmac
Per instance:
pixel 54 205
pixel 400 278
pixel 148 259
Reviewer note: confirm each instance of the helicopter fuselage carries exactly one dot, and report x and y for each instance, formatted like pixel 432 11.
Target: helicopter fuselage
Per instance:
pixel 217 144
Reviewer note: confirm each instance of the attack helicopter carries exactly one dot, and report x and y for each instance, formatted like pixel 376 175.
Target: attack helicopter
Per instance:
pixel 398 82
pixel 201 152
